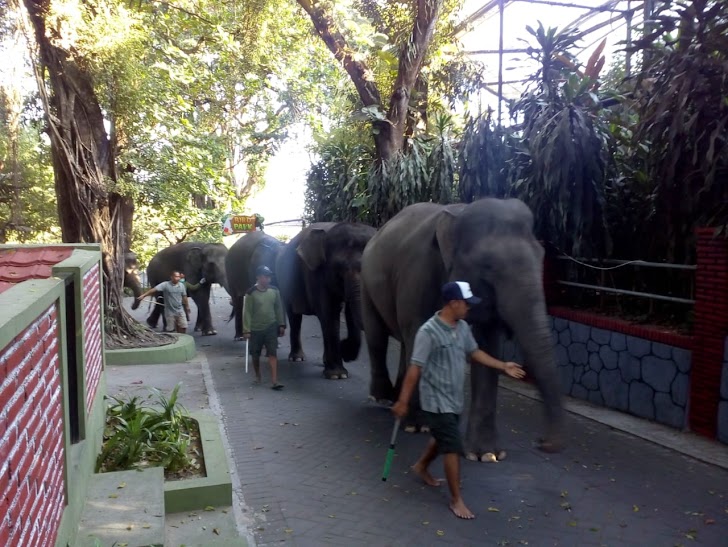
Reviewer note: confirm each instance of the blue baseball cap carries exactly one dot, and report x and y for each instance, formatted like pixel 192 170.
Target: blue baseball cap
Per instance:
pixel 459 290
pixel 263 270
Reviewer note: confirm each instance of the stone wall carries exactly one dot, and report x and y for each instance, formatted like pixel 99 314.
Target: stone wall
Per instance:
pixel 646 378
pixel 723 408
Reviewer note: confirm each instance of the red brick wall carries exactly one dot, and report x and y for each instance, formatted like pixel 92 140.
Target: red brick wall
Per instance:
pixel 92 332
pixel 711 328
pixel 31 435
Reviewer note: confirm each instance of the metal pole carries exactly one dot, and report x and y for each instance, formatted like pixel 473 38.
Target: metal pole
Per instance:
pixel 628 56
pixel 501 8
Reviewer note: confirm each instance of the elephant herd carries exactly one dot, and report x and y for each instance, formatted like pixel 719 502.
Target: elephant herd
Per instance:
pixel 387 283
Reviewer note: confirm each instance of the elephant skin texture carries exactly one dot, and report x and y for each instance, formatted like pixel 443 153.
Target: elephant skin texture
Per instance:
pixel 252 250
pixel 318 273
pixel 131 277
pixel 196 261
pixel 490 244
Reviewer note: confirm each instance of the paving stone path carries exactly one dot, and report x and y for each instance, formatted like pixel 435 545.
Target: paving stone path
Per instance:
pixel 310 458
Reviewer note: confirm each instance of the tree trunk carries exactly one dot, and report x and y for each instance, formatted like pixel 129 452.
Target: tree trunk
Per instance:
pixel 389 137
pixel 89 210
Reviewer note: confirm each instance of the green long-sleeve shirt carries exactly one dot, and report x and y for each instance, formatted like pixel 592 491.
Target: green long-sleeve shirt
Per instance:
pixel 263 309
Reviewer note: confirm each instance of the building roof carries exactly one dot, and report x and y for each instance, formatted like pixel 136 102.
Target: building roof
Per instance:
pixel 23 263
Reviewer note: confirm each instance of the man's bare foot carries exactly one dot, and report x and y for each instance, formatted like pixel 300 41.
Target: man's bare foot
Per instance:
pixel 424 474
pixel 460 510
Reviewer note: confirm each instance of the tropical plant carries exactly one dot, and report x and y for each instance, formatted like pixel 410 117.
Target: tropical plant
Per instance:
pixel 682 107
pixel 484 157
pixel 558 167
pixel 155 431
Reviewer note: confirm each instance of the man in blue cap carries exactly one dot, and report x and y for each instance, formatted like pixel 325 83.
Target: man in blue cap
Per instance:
pixel 263 323
pixel 438 362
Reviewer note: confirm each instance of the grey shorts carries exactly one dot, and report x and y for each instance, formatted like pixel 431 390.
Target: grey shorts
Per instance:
pixel 267 339
pixel 445 428
pixel 175 320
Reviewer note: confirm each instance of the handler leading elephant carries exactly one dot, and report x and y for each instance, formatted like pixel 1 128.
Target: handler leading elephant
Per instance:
pixel 490 244
pixel 318 272
pixel 196 261
pixel 251 251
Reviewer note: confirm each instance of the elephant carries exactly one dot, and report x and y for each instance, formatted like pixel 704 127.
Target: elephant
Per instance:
pixel 249 252
pixel 490 244
pixel 318 273
pixel 196 261
pixel 131 277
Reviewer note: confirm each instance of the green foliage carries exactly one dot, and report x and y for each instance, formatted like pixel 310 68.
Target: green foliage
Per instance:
pixel 559 168
pixel 139 433
pixel 484 156
pixel 682 118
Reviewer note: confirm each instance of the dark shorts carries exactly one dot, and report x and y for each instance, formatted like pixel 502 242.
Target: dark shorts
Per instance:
pixel 445 428
pixel 267 339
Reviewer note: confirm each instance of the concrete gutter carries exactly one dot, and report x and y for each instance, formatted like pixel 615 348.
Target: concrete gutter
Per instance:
pixel 684 442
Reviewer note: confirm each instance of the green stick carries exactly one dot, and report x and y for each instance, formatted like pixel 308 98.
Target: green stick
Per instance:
pixel 390 452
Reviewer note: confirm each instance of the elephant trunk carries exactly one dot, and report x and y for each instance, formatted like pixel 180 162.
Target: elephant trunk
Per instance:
pixel 352 294
pixel 131 281
pixel 525 312
pixel 352 297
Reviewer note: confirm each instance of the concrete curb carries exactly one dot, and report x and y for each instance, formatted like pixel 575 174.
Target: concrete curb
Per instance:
pixel 213 490
pixel 684 442
pixel 182 350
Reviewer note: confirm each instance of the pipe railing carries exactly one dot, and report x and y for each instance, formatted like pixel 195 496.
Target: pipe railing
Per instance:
pixel 620 263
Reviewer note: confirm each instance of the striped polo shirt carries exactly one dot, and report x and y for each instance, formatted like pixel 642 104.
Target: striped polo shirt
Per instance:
pixel 440 351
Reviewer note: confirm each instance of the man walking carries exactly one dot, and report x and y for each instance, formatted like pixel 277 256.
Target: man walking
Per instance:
pixel 438 362
pixel 176 305
pixel 263 323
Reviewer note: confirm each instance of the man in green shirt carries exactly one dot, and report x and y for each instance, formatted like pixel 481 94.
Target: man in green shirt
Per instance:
pixel 264 322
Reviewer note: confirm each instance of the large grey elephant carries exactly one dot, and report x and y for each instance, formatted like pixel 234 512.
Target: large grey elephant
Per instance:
pixel 318 273
pixel 131 277
pixel 196 261
pixel 244 257
pixel 490 244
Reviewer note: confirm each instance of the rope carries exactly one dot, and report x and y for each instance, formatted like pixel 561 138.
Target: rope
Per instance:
pixel 602 268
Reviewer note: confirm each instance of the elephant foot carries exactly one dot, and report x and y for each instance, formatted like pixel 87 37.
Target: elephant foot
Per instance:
pixel 198 329
pixel 382 391
pixel 339 373
pixel 238 338
pixel 211 332
pixel 349 349
pixel 152 324
pixel 296 356
pixel 486 457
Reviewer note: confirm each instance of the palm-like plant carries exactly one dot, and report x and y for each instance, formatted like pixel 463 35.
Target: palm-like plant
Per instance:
pixel 682 103
pixel 558 167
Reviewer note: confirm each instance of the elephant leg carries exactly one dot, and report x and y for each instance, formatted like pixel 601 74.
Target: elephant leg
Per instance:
pixel 204 317
pixel 331 329
pixel 351 344
pixel 296 353
pixel 238 311
pixel 377 336
pixel 157 309
pixel 481 438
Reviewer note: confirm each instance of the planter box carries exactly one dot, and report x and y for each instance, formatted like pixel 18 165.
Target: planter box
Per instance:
pixel 213 490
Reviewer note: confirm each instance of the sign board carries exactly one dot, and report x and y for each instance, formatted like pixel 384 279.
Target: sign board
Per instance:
pixel 238 224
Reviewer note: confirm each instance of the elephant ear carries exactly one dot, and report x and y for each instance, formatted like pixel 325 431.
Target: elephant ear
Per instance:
pixel 312 249
pixel 445 236
pixel 194 260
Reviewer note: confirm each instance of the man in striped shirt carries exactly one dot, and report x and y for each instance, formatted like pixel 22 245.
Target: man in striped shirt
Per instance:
pixel 438 362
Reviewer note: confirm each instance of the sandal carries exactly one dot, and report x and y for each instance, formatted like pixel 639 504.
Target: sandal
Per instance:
pixel 277 387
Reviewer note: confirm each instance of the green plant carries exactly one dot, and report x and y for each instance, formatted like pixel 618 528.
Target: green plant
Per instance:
pixel 155 431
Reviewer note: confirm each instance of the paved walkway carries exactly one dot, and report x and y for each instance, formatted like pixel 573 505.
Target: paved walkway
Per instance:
pixel 309 462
